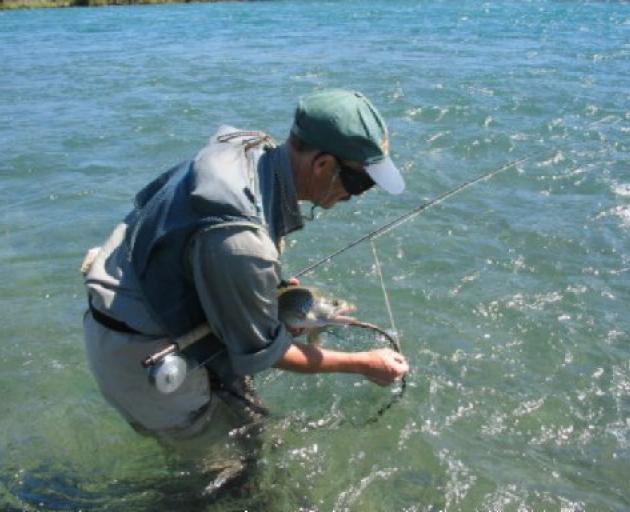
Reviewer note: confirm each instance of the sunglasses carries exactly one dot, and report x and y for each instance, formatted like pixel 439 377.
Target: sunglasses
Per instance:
pixel 354 182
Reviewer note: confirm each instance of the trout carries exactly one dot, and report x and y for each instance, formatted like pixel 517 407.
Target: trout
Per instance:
pixel 300 307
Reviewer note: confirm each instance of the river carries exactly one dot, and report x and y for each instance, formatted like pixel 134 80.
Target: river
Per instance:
pixel 511 299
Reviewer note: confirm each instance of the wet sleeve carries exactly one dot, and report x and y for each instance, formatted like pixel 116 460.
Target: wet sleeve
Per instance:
pixel 236 273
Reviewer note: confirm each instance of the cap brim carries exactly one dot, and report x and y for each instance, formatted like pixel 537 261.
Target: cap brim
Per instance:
pixel 386 176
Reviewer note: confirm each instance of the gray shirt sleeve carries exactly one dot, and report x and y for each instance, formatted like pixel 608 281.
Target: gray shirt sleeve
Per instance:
pixel 236 274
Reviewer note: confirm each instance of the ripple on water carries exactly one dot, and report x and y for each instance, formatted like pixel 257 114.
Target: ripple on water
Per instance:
pixel 460 478
pixel 349 496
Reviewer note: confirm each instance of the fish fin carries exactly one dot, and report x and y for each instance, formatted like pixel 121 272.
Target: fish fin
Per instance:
pixel 313 336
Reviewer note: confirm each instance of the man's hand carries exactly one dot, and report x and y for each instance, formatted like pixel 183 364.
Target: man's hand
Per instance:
pixel 385 366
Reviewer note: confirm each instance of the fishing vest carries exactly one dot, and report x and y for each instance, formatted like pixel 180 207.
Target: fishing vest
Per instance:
pixel 217 187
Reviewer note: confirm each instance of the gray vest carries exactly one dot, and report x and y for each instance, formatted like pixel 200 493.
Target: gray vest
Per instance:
pixel 217 187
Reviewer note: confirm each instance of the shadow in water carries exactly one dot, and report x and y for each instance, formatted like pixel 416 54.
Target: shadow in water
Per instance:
pixel 231 478
pixel 225 486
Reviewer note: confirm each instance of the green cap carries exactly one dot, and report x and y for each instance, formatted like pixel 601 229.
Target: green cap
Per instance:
pixel 346 125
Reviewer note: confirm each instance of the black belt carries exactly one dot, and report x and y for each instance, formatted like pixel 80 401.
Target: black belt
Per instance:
pixel 109 322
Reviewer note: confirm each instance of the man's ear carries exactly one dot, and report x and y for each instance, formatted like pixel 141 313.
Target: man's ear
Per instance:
pixel 324 163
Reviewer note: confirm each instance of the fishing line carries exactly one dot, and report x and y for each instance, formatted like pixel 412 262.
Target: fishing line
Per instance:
pixel 379 272
pixel 385 228
pixel 394 340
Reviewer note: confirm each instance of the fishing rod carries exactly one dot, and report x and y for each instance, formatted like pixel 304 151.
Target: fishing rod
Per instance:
pixel 385 228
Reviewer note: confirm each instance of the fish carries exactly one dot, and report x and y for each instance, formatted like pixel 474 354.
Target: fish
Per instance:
pixel 301 307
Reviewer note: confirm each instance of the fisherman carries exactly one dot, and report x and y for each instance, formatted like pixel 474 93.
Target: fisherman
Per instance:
pixel 202 246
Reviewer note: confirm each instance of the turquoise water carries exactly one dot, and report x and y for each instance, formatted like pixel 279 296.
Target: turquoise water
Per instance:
pixel 511 299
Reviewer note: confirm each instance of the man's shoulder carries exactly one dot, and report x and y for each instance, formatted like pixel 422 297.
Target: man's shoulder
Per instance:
pixel 237 239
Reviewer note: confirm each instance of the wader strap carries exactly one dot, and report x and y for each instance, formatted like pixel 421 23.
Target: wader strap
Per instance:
pixel 251 139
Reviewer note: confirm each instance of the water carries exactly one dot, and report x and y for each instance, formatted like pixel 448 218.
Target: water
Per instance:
pixel 511 299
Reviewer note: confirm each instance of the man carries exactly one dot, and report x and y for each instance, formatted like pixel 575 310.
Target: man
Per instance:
pixel 201 246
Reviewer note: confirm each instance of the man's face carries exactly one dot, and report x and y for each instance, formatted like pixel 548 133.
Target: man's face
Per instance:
pixel 332 193
pixel 329 184
pixel 326 188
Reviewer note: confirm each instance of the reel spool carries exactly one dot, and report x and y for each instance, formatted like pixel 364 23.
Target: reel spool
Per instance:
pixel 168 374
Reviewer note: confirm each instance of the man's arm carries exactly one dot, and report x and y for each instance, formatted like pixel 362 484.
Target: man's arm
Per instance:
pixel 237 274
pixel 381 366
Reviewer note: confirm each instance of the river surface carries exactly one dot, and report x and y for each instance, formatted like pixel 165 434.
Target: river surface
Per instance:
pixel 511 299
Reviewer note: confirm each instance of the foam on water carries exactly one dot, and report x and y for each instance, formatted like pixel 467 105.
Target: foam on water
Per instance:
pixel 622 189
pixel 621 212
